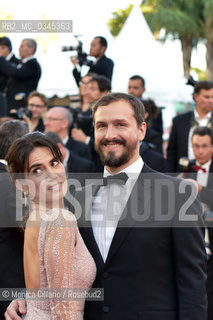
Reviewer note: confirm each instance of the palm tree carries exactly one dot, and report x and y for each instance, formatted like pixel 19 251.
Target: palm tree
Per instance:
pixel 180 19
pixel 208 32
pixel 190 21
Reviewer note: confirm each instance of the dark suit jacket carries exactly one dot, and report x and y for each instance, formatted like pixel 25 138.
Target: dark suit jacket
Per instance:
pixel 3 84
pixel 79 148
pixel 104 66
pixel 155 138
pixel 154 159
pixel 78 164
pixel 206 196
pixel 11 240
pixel 4 77
pixel 151 273
pixel 178 141
pixel 24 79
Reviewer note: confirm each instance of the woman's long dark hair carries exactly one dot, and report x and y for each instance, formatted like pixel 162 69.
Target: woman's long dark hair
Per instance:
pixel 18 157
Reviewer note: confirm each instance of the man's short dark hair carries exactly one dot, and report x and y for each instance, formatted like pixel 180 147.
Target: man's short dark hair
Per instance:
pixel 103 41
pixel 206 85
pixel 5 41
pixel 203 131
pixel 31 43
pixel 137 77
pixel 102 81
pixel 136 104
pixel 9 132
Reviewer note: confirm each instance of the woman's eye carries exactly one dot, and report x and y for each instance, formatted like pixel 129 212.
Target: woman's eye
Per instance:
pixel 55 163
pixel 37 171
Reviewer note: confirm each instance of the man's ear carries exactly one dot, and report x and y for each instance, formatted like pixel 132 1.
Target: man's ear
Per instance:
pixel 142 131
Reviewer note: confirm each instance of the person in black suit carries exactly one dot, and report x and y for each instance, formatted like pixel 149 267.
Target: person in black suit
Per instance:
pixel 200 171
pixel 59 120
pixel 5 51
pixel 11 237
pixel 153 158
pixel 147 272
pixel 149 269
pixel 136 87
pixel 184 124
pixel 25 76
pixel 102 66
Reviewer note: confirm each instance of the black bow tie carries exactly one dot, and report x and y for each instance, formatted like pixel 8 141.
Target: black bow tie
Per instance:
pixel 120 179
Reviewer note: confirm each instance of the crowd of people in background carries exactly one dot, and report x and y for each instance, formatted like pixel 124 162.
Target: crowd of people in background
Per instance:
pixel 77 132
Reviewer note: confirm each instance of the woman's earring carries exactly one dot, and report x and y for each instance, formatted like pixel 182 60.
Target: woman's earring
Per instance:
pixel 25 198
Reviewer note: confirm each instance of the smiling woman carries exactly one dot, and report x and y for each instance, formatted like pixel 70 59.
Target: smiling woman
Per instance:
pixel 52 242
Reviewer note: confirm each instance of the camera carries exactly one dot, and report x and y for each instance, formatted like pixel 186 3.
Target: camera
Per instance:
pixel 81 55
pixel 18 114
pixel 22 110
pixel 82 121
pixel 186 165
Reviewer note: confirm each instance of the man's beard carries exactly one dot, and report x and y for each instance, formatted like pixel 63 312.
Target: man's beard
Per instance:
pixel 110 159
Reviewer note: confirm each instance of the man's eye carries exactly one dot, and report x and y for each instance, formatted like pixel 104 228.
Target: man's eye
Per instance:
pixel 101 125
pixel 120 124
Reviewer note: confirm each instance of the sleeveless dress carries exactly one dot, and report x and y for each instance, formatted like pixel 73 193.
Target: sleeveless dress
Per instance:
pixel 65 263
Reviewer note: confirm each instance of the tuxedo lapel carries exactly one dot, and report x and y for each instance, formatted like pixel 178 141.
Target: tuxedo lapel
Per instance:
pixel 138 201
pixel 210 177
pixel 85 226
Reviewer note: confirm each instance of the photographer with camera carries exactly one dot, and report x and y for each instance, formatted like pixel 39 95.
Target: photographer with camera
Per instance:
pixel 37 104
pixel 82 115
pixel 200 172
pixel 32 111
pixel 102 65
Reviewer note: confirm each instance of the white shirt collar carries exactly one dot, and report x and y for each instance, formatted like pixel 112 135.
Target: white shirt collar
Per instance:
pixel 198 118
pixel 205 165
pixel 135 168
pixel 65 140
pixel 3 161
pixel 9 56
pixel 66 160
pixel 27 59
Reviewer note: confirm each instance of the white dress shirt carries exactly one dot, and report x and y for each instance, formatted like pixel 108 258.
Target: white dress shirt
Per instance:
pixel 109 204
pixel 202 177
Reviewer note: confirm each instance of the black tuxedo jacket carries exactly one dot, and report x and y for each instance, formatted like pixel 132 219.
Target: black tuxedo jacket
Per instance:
pixel 79 148
pixel 206 196
pixel 104 66
pixel 24 79
pixel 11 240
pixel 151 273
pixel 178 140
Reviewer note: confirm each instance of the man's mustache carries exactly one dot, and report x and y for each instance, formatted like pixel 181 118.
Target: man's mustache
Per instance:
pixel 116 141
